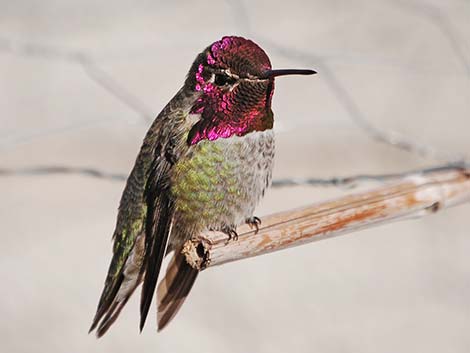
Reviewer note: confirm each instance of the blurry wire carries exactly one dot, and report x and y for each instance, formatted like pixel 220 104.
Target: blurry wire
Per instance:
pixel 346 182
pixel 12 140
pixel 343 96
pixel 51 170
pixel 90 67
pixel 353 181
pixel 446 27
pixel 108 82
pixel 92 71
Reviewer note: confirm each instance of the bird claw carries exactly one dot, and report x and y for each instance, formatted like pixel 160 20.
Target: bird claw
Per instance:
pixel 254 222
pixel 231 232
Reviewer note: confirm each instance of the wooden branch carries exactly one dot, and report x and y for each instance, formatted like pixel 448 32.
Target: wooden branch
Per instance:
pixel 414 196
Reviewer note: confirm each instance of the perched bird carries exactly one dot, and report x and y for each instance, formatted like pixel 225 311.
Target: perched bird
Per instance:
pixel 204 165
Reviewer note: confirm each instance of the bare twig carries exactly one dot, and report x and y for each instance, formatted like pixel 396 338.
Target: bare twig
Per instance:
pixel 414 196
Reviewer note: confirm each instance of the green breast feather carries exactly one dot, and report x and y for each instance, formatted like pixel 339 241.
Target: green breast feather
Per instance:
pixel 203 183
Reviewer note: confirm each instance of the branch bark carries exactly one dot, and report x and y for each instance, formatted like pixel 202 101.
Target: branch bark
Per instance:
pixel 414 196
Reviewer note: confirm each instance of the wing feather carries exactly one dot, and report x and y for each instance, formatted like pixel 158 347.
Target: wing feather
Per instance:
pixel 145 209
pixel 160 211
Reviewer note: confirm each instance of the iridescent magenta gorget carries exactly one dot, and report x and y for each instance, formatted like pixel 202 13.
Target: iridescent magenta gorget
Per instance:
pixel 235 98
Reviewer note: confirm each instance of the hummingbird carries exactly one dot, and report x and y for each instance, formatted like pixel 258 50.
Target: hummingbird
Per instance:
pixel 204 164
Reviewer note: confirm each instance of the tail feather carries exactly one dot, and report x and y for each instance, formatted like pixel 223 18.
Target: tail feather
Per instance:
pixel 174 288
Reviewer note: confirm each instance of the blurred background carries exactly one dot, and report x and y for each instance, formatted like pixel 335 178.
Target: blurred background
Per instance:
pixel 80 83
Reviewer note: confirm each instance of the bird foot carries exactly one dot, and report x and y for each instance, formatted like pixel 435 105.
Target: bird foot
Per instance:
pixel 231 232
pixel 253 222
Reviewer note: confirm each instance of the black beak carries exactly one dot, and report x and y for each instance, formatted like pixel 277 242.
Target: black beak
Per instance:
pixel 284 72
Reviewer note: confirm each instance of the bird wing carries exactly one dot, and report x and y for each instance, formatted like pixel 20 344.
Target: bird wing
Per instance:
pixel 144 219
pixel 157 227
pixel 130 225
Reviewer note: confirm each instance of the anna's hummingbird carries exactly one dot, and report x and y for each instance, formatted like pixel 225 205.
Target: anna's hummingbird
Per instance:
pixel 204 165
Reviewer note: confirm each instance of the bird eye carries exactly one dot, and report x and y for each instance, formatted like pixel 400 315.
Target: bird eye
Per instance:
pixel 222 79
